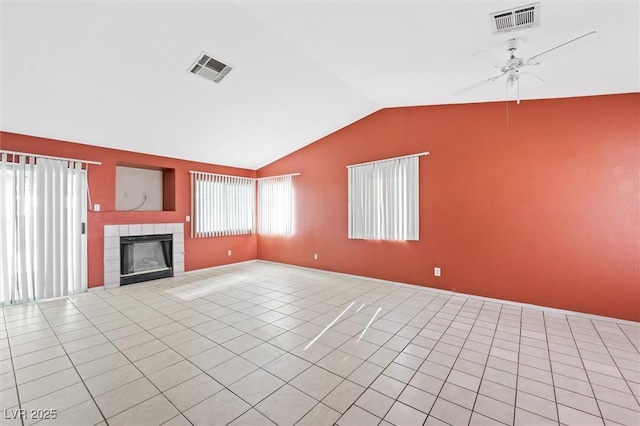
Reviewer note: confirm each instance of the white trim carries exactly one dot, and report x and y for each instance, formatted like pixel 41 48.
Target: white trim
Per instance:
pixel 277 176
pixel 97 163
pixel 472 296
pixel 420 154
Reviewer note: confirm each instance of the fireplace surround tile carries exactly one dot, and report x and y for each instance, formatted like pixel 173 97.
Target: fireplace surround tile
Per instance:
pixel 112 234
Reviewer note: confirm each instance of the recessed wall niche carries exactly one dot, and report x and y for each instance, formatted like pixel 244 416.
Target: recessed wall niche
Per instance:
pixel 144 188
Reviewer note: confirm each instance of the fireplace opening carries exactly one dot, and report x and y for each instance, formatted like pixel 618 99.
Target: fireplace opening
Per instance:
pixel 144 258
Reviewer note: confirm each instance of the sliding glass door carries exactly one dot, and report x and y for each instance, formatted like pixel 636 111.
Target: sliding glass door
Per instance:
pixel 43 241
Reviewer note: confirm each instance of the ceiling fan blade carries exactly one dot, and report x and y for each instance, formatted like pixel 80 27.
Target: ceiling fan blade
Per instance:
pixel 530 81
pixel 533 76
pixel 491 59
pixel 479 84
pixel 562 49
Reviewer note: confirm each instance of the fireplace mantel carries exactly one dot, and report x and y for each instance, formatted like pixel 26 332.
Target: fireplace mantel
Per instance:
pixel 112 234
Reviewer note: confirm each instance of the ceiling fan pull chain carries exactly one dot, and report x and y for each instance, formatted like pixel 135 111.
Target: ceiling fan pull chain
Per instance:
pixel 507 102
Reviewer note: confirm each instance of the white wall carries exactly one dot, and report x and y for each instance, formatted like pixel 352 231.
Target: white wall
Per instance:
pixel 133 183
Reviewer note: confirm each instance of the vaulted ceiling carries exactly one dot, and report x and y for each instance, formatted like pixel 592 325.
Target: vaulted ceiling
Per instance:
pixel 115 74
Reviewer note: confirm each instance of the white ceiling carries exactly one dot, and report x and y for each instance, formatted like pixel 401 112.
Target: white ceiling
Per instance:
pixel 114 74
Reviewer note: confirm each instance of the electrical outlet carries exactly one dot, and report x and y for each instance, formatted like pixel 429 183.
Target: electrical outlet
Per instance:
pixel 96 207
pixel 437 271
pixel 315 256
pixel 188 218
pixel 229 252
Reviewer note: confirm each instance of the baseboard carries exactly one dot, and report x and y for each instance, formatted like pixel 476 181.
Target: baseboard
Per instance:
pixel 471 296
pixel 226 265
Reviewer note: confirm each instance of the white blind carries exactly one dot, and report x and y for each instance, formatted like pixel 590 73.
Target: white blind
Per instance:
pixel 222 205
pixel 383 200
pixel 42 216
pixel 275 213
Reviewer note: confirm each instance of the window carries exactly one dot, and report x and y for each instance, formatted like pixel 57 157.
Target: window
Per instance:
pixel 276 205
pixel 222 205
pixel 383 200
pixel 42 221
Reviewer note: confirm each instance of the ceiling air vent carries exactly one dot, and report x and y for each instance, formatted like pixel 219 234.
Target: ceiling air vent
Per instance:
pixel 210 68
pixel 515 19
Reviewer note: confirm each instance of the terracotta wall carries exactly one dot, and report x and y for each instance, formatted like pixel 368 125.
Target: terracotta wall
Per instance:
pixel 538 206
pixel 199 253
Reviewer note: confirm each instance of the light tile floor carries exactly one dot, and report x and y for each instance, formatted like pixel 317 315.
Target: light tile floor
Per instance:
pixel 260 343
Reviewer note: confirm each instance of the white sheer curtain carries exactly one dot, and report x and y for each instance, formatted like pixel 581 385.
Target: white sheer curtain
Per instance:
pixel 383 200
pixel 42 241
pixel 275 198
pixel 222 205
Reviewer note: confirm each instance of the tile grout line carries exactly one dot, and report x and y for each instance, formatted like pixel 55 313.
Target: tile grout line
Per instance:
pixel 616 365
pixel 586 374
pixel 484 369
pixel 331 372
pixel 15 379
pixel 72 364
pixel 380 347
pixel 458 357
pixel 553 380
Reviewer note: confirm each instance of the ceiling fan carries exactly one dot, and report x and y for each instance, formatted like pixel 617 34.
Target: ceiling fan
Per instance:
pixel 515 68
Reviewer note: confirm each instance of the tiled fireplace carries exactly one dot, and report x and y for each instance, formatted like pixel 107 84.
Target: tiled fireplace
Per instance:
pixel 112 234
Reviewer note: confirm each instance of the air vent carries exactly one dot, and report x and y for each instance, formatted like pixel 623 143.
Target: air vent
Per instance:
pixel 515 19
pixel 210 68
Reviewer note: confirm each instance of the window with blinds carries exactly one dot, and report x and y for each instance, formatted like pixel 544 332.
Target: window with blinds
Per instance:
pixel 383 200
pixel 221 205
pixel 275 211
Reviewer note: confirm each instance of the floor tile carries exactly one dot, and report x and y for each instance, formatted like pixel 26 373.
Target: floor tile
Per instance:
pixel 450 413
pixel 173 375
pixel 494 409
pixel 256 386
pixel 316 382
pixel 375 402
pixel 345 394
pixel 152 412
pixel 83 414
pixel 191 392
pixel 222 408
pixel 416 398
pixel 401 414
pixel 253 418
pixel 62 400
pixel 45 385
pixel 231 371
pixel 340 363
pixel 320 415
pixel 263 354
pixel 209 358
pixel 158 361
pixel 42 369
pixel 388 386
pixel 286 406
pixel 572 417
pixel 287 366
pixel 365 374
pixel 356 416
pixel 125 397
pixel 112 379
